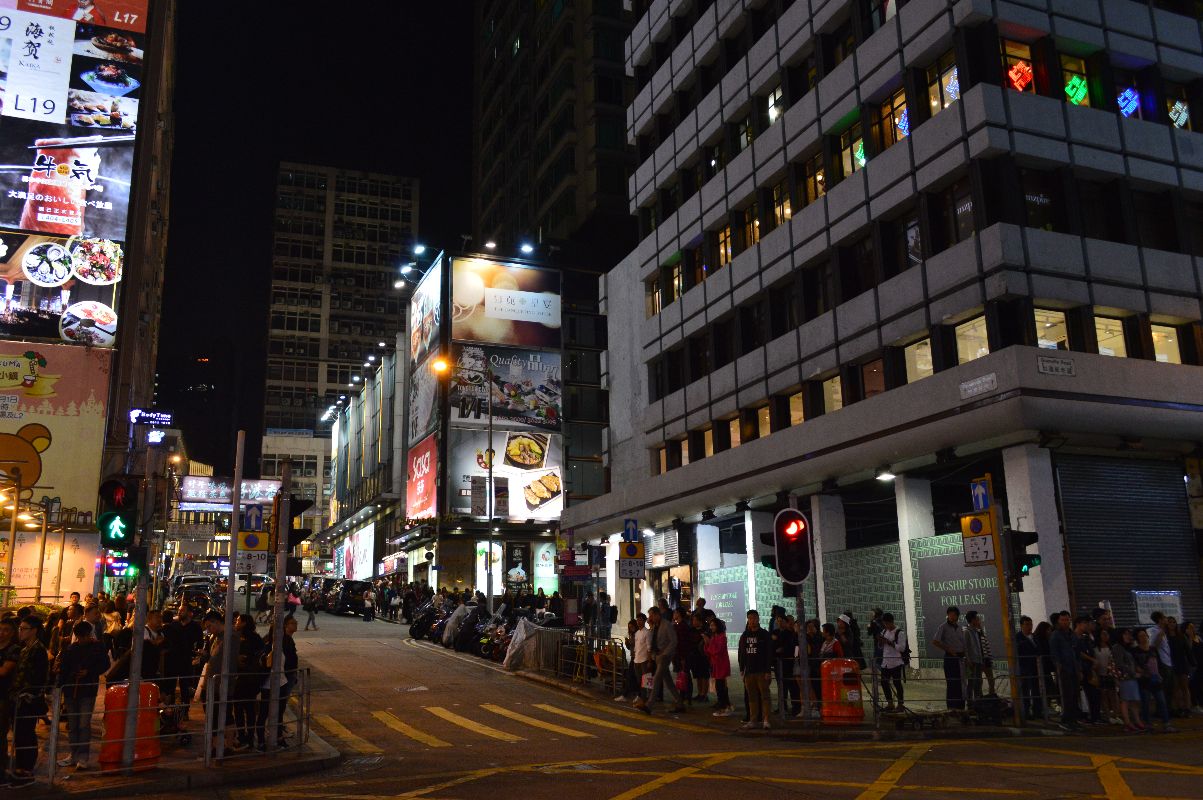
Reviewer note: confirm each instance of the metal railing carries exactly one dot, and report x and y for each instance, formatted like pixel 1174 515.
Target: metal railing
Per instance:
pixel 170 731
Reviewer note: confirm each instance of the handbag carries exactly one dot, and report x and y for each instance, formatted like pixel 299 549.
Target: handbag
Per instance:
pixel 647 680
pixel 682 681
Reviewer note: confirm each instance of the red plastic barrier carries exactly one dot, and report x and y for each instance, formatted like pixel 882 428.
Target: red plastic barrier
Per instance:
pixel 146 747
pixel 841 692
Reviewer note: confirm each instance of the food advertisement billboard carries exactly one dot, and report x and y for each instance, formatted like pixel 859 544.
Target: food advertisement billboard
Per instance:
pixel 52 420
pixel 358 563
pixel 494 303
pixel 425 314
pixel 421 479
pixel 71 74
pixel 525 386
pixel 423 408
pixel 529 465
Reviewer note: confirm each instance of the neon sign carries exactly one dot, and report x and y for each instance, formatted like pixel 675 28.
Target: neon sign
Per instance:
pixel 903 123
pixel 1180 114
pixel 1076 89
pixel 1020 75
pixel 859 153
pixel 1128 101
pixel 953 86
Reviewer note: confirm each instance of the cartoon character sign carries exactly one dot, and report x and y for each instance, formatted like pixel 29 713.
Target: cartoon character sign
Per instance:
pixel 21 455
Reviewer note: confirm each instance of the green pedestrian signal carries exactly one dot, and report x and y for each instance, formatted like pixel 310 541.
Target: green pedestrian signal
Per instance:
pixel 116 529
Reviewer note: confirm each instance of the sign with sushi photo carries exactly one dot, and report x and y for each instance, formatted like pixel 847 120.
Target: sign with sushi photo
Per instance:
pixel 525 386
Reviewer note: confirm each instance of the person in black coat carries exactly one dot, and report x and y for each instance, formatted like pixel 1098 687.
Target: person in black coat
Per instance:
pixel 84 661
pixel 1027 649
pixel 249 676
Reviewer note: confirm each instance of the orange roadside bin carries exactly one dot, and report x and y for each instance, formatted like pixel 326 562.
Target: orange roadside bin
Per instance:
pixel 146 746
pixel 841 692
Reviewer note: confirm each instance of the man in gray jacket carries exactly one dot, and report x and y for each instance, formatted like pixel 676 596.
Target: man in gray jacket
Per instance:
pixel 664 647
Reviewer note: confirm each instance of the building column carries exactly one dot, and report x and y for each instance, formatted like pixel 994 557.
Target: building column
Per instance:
pixel 915 521
pixel 756 523
pixel 830 535
pixel 1032 506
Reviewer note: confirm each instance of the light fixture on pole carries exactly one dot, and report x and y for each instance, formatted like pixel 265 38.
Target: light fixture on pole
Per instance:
pixel 419 249
pixel 527 248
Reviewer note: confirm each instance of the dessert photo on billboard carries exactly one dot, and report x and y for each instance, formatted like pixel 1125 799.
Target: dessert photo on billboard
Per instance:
pixel 65 181
pixel 59 289
pixel 424 315
pixel 106 76
pixel 495 303
pixel 525 387
pixel 110 44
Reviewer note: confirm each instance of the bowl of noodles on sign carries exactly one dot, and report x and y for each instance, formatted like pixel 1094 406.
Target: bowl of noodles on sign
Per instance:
pixel 97 261
pixel 90 323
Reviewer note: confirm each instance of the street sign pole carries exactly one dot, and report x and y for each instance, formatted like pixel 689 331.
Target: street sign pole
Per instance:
pixel 283 523
pixel 1004 599
pixel 227 640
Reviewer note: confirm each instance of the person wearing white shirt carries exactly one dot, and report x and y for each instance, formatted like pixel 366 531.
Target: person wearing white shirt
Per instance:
pixel 894 651
pixel 642 656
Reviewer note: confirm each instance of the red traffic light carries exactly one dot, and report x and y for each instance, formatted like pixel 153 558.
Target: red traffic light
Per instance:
pixel 791 545
pixel 795 528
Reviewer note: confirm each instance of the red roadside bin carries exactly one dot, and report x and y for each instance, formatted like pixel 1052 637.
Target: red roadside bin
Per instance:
pixel 841 692
pixel 146 746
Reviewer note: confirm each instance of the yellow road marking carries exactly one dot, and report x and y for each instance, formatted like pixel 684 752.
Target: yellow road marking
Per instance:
pixel 471 776
pixel 651 720
pixel 472 725
pixel 409 730
pixel 357 743
pixel 1181 769
pixel 594 720
pixel 671 777
pixel 538 723
pixel 1113 782
pixel 888 780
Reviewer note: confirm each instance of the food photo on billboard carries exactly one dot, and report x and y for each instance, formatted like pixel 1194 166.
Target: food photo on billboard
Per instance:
pixel 425 315
pixel 525 386
pixel 111 44
pixel 495 303
pixel 423 410
pixel 106 76
pixel 529 463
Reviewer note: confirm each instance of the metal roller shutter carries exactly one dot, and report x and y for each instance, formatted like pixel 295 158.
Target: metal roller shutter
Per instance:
pixel 1127 527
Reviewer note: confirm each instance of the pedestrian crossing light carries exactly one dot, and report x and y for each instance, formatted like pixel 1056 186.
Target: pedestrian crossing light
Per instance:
pixel 1019 562
pixel 116 529
pixel 791 545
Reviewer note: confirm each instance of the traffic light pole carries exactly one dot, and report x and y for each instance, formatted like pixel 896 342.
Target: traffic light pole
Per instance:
pixel 137 643
pixel 283 524
pixel 227 640
pixel 1004 602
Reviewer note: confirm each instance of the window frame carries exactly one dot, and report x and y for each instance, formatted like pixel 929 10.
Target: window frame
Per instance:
pixel 943 82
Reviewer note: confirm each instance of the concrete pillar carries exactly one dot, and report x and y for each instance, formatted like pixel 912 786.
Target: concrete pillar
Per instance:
pixel 1032 506
pixel 830 534
pixel 915 521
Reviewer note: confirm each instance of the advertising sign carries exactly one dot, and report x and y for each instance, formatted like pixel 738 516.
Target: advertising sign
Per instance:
pixel 505 304
pixel 52 419
pixel 525 386
pixel 528 470
pixel 339 569
pixel 423 408
pixel 518 566
pixel 79 563
pixel 420 479
pixel 482 549
pixel 425 315
pixel 946 581
pixel 71 74
pixel 358 561
pixel 220 491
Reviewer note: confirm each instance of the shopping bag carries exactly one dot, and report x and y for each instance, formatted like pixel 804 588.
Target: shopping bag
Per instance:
pixel 647 680
pixel 682 681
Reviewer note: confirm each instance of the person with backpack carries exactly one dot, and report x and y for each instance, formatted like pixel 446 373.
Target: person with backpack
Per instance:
pixel 895 655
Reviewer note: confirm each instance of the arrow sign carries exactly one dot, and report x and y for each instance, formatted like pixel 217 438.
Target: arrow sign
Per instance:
pixel 630 530
pixel 981 495
pixel 252 518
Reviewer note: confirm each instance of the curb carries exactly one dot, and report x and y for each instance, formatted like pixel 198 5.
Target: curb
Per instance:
pixel 317 756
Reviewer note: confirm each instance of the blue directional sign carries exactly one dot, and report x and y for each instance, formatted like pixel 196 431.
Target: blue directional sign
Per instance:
pixel 252 518
pixel 980 490
pixel 630 530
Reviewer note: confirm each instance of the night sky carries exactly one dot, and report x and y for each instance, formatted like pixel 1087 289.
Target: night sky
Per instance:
pixel 366 85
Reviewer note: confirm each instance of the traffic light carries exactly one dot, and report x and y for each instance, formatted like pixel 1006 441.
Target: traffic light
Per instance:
pixel 1019 561
pixel 296 507
pixel 118 517
pixel 137 558
pixel 791 545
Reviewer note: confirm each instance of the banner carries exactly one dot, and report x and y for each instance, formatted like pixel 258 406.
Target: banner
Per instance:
pixel 518 567
pixel 505 304
pixel 425 315
pixel 525 385
pixel 421 478
pixel 527 474
pixel 423 408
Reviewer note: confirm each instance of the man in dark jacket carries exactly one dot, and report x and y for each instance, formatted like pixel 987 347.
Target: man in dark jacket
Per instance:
pixel 1066 660
pixel 182 639
pixel 83 662
pixel 664 648
pixel 785 642
pixel 28 693
pixel 755 665
pixel 1027 649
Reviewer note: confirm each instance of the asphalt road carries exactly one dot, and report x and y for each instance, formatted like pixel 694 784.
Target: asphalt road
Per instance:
pixel 418 721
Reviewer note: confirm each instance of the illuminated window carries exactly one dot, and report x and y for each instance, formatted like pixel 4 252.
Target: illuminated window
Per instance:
pixel 1177 106
pixel 1017 66
pixel 892 123
pixel 943 84
pixel 797 414
pixel 781 206
pixel 743 134
pixel 1165 344
pixel 683 445
pixel 724 246
pixel 1051 331
pixel 873 378
pixel 918 360
pixel 912 242
pixel 654 297
pixel 662 459
pixel 676 282
pixel 1128 100
pixel 852 150
pixel 751 225
pixel 816 185
pixel 833 395
pixel 775 103
pixel 733 427
pixel 880 11
pixel 1110 335
pixel 971 340
pixel 1073 73
pixel 708 442
pixel 763 425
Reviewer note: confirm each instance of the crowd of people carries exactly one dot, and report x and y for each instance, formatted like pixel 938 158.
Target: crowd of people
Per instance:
pixel 87 646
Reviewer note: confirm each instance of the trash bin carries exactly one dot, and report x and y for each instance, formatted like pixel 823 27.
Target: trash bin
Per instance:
pixel 841 693
pixel 146 746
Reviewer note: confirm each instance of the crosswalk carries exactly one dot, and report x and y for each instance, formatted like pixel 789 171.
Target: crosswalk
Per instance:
pixel 438 726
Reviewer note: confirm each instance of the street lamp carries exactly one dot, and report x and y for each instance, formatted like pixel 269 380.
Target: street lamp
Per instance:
pixel 443 366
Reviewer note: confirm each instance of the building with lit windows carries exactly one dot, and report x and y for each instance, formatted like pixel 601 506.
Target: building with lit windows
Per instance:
pixel 889 247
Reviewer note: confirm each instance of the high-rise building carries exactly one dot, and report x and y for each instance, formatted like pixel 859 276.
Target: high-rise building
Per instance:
pixel 550 156
pixel 889 248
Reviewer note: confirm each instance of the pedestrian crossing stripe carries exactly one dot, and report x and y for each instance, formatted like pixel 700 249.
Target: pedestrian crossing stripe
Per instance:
pixel 409 730
pixel 617 726
pixel 648 719
pixel 336 728
pixel 538 723
pixel 472 725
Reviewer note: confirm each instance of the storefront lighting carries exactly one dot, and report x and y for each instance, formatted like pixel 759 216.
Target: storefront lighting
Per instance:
pixel 884 474
pixel 527 248
pixel 355 379
pixel 440 365
pixel 381 344
pixel 371 358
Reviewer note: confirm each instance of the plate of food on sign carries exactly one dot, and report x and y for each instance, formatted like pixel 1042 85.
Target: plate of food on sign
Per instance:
pixel 543 490
pixel 89 323
pixel 525 450
pixel 110 79
pixel 109 44
pixel 97 261
pixel 95 110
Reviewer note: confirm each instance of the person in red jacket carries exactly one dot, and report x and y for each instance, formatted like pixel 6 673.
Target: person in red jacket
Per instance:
pixel 720 664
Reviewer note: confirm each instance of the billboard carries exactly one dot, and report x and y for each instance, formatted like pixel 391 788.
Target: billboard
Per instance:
pixel 525 387
pixel 358 550
pixel 423 408
pixel 421 479
pixel 52 420
pixel 425 315
pixel 494 303
pixel 217 494
pixel 529 466
pixel 71 74
pixel 79 563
